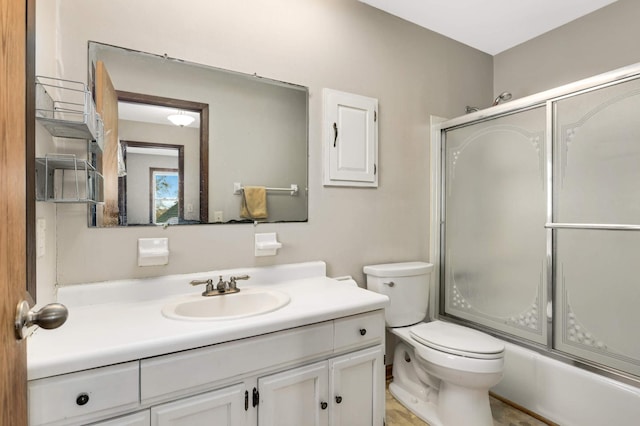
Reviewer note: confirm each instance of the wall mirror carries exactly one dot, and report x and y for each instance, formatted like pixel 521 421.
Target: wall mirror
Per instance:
pixel 240 131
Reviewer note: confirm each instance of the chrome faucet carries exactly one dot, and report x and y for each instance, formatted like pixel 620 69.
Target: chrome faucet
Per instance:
pixel 222 287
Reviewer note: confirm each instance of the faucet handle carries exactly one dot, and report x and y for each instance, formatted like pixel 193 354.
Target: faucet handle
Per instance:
pixel 208 282
pixel 232 280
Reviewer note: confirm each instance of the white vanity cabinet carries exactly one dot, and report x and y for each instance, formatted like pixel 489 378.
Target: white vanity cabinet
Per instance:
pixel 223 407
pixel 78 397
pixel 327 373
pixel 141 418
pixel 295 397
pixel 342 391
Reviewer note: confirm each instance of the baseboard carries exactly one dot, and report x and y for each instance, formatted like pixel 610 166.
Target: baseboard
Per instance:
pixel 524 410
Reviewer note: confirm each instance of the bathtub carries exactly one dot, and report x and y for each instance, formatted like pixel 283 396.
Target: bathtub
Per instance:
pixel 565 394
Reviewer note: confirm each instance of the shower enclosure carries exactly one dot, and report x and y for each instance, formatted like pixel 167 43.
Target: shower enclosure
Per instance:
pixel 538 207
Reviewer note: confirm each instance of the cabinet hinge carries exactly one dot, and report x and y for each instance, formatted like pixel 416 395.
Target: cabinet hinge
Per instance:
pixel 375 169
pixel 246 400
pixel 384 359
pixel 375 115
pixel 256 397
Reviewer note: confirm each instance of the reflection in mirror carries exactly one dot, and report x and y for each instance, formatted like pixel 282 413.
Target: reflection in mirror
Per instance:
pixel 247 131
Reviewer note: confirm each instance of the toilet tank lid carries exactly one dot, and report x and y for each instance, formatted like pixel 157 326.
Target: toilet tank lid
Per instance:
pixel 403 269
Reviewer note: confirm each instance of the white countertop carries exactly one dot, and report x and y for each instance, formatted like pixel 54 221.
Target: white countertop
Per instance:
pixel 120 330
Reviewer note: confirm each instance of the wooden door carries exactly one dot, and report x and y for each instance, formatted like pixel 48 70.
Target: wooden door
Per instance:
pixel 107 107
pixel 13 369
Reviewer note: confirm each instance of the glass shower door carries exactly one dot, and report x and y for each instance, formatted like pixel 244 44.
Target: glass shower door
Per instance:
pixel 596 222
pixel 494 237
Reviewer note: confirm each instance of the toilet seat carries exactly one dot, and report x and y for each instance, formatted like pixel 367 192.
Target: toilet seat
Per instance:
pixel 457 340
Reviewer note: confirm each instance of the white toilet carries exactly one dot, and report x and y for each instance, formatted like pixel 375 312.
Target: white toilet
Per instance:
pixel 442 372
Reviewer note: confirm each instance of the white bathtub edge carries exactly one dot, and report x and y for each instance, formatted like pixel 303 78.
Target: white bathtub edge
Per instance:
pixel 563 393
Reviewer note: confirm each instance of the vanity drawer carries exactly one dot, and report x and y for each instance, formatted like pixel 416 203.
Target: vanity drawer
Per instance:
pixel 358 331
pixel 173 375
pixel 77 397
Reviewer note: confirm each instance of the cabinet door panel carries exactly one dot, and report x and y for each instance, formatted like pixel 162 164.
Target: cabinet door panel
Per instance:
pixel 141 418
pixel 351 139
pixel 357 386
pixel 295 397
pixel 224 407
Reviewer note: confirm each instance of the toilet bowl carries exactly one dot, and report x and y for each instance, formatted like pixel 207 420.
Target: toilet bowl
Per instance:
pixel 442 372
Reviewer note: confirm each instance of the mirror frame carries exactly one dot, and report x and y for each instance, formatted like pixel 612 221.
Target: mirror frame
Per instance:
pixel 203 110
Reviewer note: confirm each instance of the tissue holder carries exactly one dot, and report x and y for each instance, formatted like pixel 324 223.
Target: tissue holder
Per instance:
pixel 267 244
pixel 153 251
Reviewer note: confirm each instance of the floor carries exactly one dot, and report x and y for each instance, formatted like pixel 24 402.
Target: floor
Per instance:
pixel 503 415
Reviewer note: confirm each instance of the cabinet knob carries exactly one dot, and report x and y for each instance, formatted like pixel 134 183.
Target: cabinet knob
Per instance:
pixel 363 331
pixel 338 399
pixel 323 405
pixel 82 399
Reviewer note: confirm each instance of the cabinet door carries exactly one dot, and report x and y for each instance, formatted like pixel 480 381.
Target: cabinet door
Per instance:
pixel 350 139
pixel 224 407
pixel 141 418
pixel 296 397
pixel 356 388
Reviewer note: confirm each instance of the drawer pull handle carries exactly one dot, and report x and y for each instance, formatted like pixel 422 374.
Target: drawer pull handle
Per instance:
pixel 82 399
pixel 363 331
pixel 323 405
pixel 338 399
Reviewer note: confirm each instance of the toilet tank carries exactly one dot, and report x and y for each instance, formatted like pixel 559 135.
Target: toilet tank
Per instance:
pixel 407 286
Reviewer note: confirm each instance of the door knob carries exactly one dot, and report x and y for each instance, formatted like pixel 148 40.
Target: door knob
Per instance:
pixel 50 316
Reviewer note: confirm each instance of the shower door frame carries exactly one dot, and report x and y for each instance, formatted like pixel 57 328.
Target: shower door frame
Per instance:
pixel 546 99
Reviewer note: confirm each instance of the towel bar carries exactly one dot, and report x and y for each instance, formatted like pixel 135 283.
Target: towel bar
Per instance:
pixel 293 189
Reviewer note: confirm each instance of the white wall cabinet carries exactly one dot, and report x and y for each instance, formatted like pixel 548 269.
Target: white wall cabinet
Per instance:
pixel 350 139
pixel 328 373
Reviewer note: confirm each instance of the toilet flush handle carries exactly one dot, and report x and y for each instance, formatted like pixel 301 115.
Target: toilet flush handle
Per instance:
pixel 390 284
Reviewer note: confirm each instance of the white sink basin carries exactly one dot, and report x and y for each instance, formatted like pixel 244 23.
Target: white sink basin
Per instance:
pixel 246 303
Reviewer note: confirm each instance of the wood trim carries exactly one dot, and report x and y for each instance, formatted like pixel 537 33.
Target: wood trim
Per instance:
pixel 204 164
pixel 524 410
pixel 30 116
pixel 203 109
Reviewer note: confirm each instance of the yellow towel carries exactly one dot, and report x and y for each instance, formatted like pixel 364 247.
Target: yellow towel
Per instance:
pixel 254 202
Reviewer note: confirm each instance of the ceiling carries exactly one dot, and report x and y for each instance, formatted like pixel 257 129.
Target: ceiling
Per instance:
pixel 152 114
pixel 491 26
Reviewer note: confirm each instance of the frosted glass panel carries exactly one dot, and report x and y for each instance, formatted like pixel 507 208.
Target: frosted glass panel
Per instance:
pixel 598 156
pixel 598 296
pixel 495 240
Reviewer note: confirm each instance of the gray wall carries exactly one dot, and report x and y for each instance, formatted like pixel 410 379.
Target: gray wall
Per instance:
pixel 599 42
pixel 339 44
